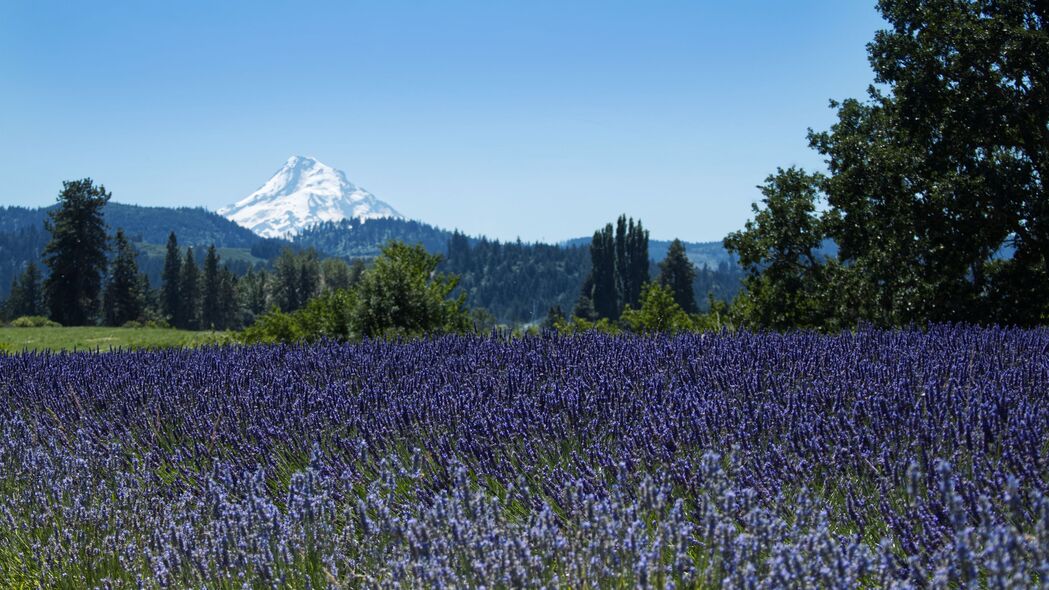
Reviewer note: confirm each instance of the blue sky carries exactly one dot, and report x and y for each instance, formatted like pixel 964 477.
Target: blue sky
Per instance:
pixel 535 119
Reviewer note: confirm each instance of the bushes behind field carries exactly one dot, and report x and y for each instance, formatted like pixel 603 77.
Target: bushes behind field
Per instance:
pixel 33 321
pixel 401 295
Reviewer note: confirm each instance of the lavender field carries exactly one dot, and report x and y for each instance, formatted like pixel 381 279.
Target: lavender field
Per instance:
pixel 881 459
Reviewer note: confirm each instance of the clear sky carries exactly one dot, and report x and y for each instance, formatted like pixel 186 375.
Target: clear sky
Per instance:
pixel 539 119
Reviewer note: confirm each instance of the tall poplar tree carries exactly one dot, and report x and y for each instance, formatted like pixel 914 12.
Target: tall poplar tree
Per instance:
pixel 604 293
pixel 76 254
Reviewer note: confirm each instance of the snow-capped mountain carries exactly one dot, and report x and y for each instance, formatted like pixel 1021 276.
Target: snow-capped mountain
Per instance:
pixel 302 193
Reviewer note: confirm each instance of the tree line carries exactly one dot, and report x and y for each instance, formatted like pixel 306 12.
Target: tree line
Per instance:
pixel 93 278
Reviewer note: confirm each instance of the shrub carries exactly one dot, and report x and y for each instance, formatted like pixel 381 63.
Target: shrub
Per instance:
pixel 34 321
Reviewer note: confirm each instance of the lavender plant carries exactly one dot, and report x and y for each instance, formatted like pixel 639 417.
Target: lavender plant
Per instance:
pixel 899 459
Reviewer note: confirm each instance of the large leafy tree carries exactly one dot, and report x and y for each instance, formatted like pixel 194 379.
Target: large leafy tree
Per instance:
pixel 123 300
pixel 936 196
pixel 403 294
pixel 779 248
pixel 76 254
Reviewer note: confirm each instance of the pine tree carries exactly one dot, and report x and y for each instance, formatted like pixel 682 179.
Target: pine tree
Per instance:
pixel 25 298
pixel 170 298
pixel 76 254
pixel 229 307
pixel 123 298
pixel 210 308
pixel 190 291
pixel 286 290
pixel 677 272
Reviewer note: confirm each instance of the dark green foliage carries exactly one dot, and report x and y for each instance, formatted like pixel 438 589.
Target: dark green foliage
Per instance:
pixel 170 298
pixel 515 281
pixel 189 289
pixel 229 305
pixel 619 267
pixel 76 254
pixel 296 278
pixel 353 238
pixel 631 260
pixel 786 282
pixel 26 297
pixel 253 289
pixel 210 306
pixel 604 292
pixel 936 195
pixel 554 316
pixel 401 295
pixel 123 301
pixel 678 273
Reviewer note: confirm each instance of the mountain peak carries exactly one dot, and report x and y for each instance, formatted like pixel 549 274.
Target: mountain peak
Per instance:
pixel 302 193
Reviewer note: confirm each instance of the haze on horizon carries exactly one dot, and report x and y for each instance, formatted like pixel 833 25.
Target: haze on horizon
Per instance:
pixel 535 120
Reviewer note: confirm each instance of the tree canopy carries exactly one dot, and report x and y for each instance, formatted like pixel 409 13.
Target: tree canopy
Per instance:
pixel 935 194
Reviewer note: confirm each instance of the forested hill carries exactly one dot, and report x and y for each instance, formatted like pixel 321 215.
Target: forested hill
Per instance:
pixel 194 226
pixel 23 236
pixel 352 238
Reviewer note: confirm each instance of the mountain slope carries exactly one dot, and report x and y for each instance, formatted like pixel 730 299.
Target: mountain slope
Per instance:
pixel 303 193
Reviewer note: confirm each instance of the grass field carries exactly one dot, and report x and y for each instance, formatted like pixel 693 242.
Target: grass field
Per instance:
pixel 102 338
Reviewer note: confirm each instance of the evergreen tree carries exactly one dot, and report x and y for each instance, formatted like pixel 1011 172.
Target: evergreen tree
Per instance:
pixel 25 298
pixel 76 254
pixel 677 273
pixel 210 306
pixel 170 297
pixel 309 276
pixel 287 278
pixel 228 304
pixel 123 297
pixel 190 291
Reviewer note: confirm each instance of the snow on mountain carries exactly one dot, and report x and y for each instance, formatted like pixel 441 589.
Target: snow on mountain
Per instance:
pixel 302 193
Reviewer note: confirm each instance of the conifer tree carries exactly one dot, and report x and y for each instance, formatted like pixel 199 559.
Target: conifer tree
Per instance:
pixel 76 254
pixel 229 307
pixel 677 273
pixel 25 298
pixel 123 296
pixel 190 292
pixel 170 299
pixel 210 307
